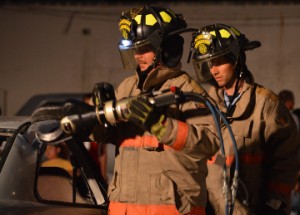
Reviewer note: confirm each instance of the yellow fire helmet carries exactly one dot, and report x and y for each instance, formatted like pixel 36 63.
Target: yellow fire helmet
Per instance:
pixel 148 29
pixel 217 40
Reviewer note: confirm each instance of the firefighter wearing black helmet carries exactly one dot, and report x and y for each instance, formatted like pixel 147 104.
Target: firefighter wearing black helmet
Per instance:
pixel 263 128
pixel 160 164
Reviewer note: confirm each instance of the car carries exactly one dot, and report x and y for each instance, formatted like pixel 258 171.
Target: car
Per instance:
pixel 59 99
pixel 27 187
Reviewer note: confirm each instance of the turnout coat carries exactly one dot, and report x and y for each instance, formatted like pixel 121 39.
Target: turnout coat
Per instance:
pixel 267 143
pixel 166 176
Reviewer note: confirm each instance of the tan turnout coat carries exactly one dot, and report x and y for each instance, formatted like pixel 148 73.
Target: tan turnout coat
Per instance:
pixel 166 177
pixel 267 144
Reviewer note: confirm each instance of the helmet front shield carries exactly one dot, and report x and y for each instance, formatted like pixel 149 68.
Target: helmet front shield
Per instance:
pixel 128 51
pixel 202 70
pixel 127 56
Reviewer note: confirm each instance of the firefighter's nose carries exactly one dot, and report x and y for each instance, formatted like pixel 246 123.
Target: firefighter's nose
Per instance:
pixel 214 70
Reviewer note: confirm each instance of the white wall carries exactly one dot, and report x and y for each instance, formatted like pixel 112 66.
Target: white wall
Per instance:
pixel 44 50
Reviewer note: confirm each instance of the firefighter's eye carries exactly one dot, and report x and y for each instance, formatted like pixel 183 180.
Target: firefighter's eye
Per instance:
pixel 144 49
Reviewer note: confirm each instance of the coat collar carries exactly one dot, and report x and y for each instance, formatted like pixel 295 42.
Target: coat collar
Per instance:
pixel 158 76
pixel 242 104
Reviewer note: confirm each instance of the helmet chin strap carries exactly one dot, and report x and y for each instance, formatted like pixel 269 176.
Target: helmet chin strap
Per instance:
pixel 143 74
pixel 230 107
pixel 239 75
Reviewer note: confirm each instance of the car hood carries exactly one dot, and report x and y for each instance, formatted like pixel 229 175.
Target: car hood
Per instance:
pixel 30 208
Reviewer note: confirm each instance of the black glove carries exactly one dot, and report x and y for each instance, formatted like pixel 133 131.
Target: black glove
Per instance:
pixel 273 207
pixel 143 114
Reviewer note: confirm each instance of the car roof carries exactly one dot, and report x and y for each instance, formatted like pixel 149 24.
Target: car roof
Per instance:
pixel 40 100
pixel 11 123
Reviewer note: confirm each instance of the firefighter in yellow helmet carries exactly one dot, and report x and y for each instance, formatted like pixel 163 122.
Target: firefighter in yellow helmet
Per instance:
pixel 264 130
pixel 160 164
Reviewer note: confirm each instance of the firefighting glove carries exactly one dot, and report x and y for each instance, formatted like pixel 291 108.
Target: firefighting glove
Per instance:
pixel 144 114
pixel 273 207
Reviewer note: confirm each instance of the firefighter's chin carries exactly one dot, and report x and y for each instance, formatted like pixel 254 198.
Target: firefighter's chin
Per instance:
pixel 143 66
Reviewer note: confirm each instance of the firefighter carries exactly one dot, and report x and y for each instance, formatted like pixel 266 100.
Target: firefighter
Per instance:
pixel 264 130
pixel 160 163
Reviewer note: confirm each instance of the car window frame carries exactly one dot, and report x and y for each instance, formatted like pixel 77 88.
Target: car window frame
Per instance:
pixel 77 148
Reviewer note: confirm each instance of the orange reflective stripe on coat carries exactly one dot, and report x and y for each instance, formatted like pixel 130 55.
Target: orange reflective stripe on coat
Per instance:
pixel 197 211
pixel 251 159
pixel 213 160
pixel 281 188
pixel 143 142
pixel 152 142
pixel 182 133
pixel 248 159
pixel 118 208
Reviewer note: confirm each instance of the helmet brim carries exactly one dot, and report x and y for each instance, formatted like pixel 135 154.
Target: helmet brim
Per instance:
pixel 181 31
pixel 251 45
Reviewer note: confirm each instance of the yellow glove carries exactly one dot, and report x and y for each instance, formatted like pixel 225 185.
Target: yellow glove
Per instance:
pixel 144 114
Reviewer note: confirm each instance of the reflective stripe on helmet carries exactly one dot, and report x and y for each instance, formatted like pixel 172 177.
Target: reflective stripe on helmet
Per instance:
pixel 150 20
pixel 165 17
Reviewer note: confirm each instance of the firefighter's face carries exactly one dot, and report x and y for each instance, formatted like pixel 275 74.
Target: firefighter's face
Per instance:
pixel 144 59
pixel 223 72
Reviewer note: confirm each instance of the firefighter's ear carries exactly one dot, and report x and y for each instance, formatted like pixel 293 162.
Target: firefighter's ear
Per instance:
pixel 171 50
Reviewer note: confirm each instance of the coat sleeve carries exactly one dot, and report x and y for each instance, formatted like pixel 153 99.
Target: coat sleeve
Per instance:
pixel 193 131
pixel 281 147
pixel 196 140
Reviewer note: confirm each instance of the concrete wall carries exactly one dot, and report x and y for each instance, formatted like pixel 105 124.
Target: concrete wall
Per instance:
pixel 68 49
